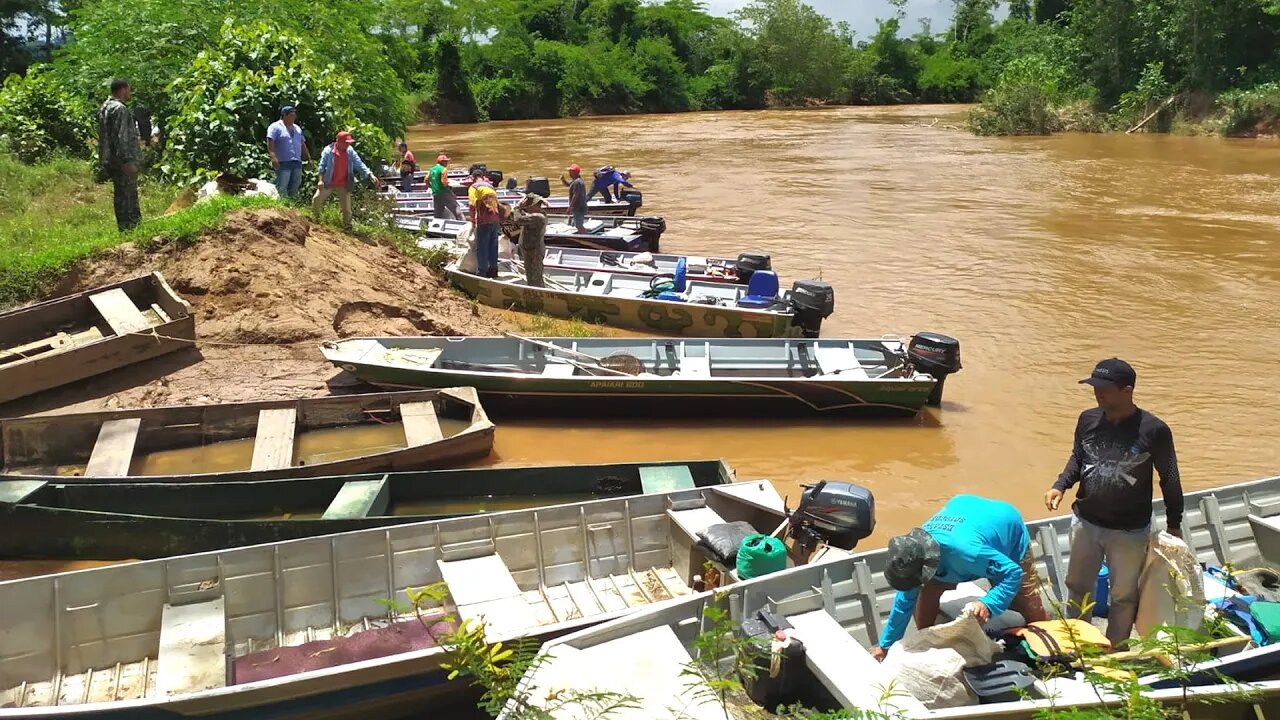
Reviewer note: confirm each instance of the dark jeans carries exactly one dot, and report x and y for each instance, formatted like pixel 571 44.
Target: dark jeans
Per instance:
pixel 487 250
pixel 445 206
pixel 406 181
pixel 604 194
pixel 125 199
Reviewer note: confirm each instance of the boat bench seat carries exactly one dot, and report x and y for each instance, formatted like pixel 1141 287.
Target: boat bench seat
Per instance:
pixel 113 452
pixel 599 283
pixel 122 316
pixel 193 648
pixel 559 369
pixel 484 590
pixel 273 443
pixel 665 478
pixel 421 425
pixel 360 499
pixel 846 669
pixel 842 359
pixel 695 366
pixel 694 520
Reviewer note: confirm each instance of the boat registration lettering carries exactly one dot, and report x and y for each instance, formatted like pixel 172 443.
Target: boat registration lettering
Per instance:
pixel 625 384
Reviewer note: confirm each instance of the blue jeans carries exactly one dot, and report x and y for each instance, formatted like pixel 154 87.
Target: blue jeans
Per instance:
pixel 487 250
pixel 579 217
pixel 289 177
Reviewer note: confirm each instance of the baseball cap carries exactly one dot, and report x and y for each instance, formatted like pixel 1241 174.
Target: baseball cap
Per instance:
pixel 531 199
pixel 404 144
pixel 913 560
pixel 575 168
pixel 1112 372
pixel 442 158
pixel 286 110
pixel 346 137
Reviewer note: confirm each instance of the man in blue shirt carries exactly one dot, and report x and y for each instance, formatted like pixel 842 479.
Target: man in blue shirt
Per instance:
pixel 288 148
pixel 606 179
pixel 970 538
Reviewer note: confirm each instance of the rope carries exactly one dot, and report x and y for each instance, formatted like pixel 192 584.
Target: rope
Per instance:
pixel 222 343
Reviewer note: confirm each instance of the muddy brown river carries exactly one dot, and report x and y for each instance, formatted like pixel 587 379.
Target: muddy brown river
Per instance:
pixel 1042 255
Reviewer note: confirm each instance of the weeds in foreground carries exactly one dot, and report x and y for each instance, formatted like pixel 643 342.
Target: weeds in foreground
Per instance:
pixel 540 325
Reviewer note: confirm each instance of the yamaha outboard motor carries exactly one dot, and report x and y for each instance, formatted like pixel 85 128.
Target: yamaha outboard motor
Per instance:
pixel 838 514
pixel 471 171
pixel 512 183
pixel 538 185
pixel 812 302
pixel 749 263
pixel 936 355
pixel 651 229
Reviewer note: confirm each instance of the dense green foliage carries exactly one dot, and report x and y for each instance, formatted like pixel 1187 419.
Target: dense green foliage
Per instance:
pixel 38 117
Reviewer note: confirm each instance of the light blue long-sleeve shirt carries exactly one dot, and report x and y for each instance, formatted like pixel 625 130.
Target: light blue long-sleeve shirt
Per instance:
pixel 355 166
pixel 979 538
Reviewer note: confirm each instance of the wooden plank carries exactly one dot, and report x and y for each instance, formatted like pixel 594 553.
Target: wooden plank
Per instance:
pixel 665 478
pixel 273 443
pixel 119 311
pixel 359 499
pixel 193 646
pixel 113 452
pixel 846 668
pixel 421 426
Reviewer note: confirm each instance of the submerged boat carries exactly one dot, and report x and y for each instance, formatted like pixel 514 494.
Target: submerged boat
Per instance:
pixel 318 628
pixel 838 608
pixel 650 377
pixel 71 338
pixel 110 520
pixel 250 441
pixel 421 203
pixel 671 305
pixel 625 234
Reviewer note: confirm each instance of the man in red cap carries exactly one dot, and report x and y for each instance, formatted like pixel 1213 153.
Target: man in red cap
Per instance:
pixel 443 202
pixel 577 197
pixel 339 165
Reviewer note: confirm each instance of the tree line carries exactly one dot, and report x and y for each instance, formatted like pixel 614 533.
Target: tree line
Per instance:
pixel 213 80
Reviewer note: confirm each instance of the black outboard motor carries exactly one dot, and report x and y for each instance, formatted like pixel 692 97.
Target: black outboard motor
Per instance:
pixel 495 177
pixel 838 514
pixel 651 229
pixel 749 263
pixel 634 199
pixel 538 185
pixel 812 301
pixel 471 171
pixel 512 183
pixel 936 355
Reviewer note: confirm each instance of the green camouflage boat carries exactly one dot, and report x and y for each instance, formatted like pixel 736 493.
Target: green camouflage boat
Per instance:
pixel 658 377
pixel 664 304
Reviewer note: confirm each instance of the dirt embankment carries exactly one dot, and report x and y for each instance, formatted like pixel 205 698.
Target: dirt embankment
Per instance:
pixel 266 288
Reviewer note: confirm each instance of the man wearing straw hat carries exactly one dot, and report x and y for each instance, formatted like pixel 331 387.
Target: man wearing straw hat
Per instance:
pixel 530 216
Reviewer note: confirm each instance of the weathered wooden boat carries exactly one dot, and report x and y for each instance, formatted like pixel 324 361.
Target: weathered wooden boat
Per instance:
pixel 665 304
pixel 305 629
pixel 421 203
pixel 70 338
pixel 632 235
pixel 839 607
pixel 110 520
pixel 250 441
pixel 649 377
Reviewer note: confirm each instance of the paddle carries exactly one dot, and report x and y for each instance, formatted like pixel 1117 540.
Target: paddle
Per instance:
pixel 566 351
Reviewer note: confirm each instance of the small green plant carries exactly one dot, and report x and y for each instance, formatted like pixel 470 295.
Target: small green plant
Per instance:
pixel 723 661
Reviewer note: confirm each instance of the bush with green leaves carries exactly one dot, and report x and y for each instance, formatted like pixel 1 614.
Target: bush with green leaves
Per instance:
pixel 1252 110
pixel 1024 100
pixel 39 118
pixel 232 93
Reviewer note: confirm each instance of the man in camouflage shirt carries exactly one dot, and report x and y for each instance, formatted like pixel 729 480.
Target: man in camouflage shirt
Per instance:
pixel 119 154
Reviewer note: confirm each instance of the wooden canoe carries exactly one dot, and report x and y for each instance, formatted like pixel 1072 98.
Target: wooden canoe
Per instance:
pixel 250 441
pixel 629 235
pixel 715 377
pixel 110 520
pixel 71 338
pixel 317 628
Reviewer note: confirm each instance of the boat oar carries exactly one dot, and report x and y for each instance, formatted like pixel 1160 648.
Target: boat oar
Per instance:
pixel 566 351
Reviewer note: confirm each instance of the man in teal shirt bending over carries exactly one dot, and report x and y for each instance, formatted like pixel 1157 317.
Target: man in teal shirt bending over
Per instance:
pixel 970 538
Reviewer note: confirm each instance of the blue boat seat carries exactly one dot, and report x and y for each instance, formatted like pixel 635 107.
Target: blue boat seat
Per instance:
pixel 762 290
pixel 672 296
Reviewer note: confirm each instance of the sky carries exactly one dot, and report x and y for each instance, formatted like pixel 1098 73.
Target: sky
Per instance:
pixel 861 14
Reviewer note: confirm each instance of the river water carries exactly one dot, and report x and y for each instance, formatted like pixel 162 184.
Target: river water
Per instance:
pixel 1042 255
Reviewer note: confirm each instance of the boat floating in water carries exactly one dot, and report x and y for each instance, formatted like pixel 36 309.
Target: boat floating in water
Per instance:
pixel 71 338
pixel 626 234
pixel 250 441
pixel 112 520
pixel 670 305
pixel 640 377
pixel 837 609
pixel 307 628
pixel 421 203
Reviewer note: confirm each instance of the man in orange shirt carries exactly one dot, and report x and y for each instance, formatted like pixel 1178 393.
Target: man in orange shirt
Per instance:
pixel 339 165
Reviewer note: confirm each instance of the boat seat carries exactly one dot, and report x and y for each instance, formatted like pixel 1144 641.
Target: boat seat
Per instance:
pixel 483 589
pixel 694 520
pixel 193 648
pixel 273 443
pixel 113 452
pixel 360 499
pixel 421 425
pixel 762 290
pixel 695 366
pixel 118 310
pixel 952 603
pixel 846 669
pixel 665 478
pixel 599 283
pixel 559 369
pixel 592 225
pixel 838 359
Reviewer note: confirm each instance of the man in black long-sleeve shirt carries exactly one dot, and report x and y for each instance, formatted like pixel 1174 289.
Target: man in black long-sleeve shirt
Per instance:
pixel 1117 445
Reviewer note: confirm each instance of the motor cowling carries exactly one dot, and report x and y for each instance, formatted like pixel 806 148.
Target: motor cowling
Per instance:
pixel 812 301
pixel 495 177
pixel 651 229
pixel 634 200
pixel 538 185
pixel 749 263
pixel 838 514
pixel 937 355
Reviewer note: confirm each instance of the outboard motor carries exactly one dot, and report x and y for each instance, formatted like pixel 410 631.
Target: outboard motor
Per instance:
pixel 651 229
pixel 838 514
pixel 513 183
pixel 812 301
pixel 936 355
pixel 634 200
pixel 495 177
pixel 538 185
pixel 749 263
pixel 471 171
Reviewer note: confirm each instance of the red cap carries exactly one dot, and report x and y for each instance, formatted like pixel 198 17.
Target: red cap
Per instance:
pixel 346 137
pixel 574 168
pixel 442 158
